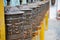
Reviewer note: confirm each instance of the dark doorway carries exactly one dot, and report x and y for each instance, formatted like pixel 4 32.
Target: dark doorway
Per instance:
pixel 27 1
pixel 20 2
pixel 8 2
pixel 52 2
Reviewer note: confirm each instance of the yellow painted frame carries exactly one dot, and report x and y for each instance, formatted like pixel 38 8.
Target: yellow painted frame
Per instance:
pixel 46 20
pixel 2 23
pixel 42 31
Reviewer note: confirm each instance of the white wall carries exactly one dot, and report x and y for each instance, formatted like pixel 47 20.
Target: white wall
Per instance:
pixel 58 4
pixel 53 10
pixel 24 2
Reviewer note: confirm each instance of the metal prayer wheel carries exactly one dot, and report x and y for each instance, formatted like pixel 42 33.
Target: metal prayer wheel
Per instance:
pixel 13 25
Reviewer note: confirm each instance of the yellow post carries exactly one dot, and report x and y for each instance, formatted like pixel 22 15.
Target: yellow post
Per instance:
pixel 2 26
pixel 46 20
pixel 42 31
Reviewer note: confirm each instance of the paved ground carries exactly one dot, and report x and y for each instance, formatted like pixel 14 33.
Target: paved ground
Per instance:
pixel 54 30
pixel 54 25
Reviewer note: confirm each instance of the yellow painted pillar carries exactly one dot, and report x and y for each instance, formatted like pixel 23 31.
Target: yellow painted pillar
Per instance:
pixel 42 31
pixel 2 25
pixel 46 19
